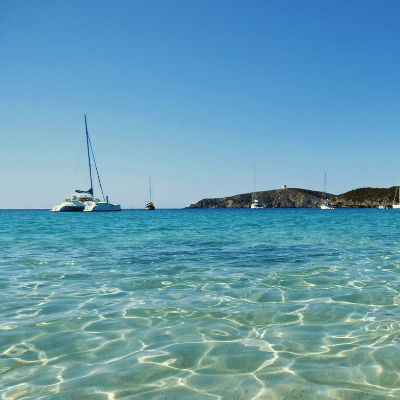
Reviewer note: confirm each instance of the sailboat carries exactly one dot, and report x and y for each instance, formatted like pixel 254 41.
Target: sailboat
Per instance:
pixel 84 200
pixel 398 204
pixel 254 203
pixel 325 203
pixel 149 205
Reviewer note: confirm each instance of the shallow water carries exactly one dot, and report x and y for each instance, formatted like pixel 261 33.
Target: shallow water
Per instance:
pixel 200 304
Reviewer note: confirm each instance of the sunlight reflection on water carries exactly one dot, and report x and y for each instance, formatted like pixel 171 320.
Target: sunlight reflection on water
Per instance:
pixel 200 304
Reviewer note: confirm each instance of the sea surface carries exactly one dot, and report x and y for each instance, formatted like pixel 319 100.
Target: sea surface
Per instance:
pixel 200 304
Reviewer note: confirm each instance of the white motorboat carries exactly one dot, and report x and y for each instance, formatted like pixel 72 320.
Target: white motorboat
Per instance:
pixel 325 203
pixel 254 202
pixel 83 200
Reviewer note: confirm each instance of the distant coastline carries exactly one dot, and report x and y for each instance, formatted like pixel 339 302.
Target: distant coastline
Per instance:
pixel 304 198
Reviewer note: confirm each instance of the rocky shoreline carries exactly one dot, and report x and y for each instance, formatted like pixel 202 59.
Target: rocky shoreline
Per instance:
pixel 303 198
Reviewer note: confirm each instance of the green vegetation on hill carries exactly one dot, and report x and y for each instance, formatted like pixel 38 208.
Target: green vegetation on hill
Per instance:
pixel 280 198
pixel 303 198
pixel 366 198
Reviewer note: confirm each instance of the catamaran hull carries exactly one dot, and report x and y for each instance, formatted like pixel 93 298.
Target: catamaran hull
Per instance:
pixel 68 208
pixel 102 207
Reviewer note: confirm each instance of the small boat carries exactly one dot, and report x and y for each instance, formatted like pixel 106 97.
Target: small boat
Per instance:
pixel 325 203
pixel 382 207
pixel 254 202
pixel 150 205
pixel 84 200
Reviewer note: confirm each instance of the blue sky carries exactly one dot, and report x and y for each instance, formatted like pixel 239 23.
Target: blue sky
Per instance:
pixel 193 94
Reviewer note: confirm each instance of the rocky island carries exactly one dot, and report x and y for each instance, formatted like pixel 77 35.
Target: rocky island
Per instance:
pixel 303 198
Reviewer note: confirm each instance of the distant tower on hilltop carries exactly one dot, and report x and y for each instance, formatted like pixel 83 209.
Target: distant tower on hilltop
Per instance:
pixel 284 187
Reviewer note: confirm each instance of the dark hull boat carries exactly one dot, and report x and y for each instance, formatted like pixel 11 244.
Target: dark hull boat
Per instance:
pixel 150 205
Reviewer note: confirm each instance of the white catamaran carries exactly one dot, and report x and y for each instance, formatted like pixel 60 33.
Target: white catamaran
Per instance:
pixel 84 200
pixel 325 203
pixel 254 203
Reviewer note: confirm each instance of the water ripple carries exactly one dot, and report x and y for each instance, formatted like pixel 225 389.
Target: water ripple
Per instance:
pixel 200 305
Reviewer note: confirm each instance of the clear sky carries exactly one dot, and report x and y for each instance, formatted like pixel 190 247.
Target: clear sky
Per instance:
pixel 193 94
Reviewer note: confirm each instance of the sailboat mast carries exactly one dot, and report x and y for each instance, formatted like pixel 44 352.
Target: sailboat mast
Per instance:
pixel 150 187
pixel 90 167
pixel 254 193
pixel 395 192
pixel 324 187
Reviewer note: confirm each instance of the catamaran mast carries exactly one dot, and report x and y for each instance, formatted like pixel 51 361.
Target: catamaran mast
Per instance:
pixel 88 153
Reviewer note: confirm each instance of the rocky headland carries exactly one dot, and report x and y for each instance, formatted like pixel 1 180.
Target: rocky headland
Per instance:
pixel 279 198
pixel 303 198
pixel 366 198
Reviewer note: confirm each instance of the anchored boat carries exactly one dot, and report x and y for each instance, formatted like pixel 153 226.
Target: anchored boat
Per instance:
pixel 325 203
pixel 254 203
pixel 84 200
pixel 150 205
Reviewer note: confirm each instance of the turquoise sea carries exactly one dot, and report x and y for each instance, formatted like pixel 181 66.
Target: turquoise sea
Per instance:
pixel 200 304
